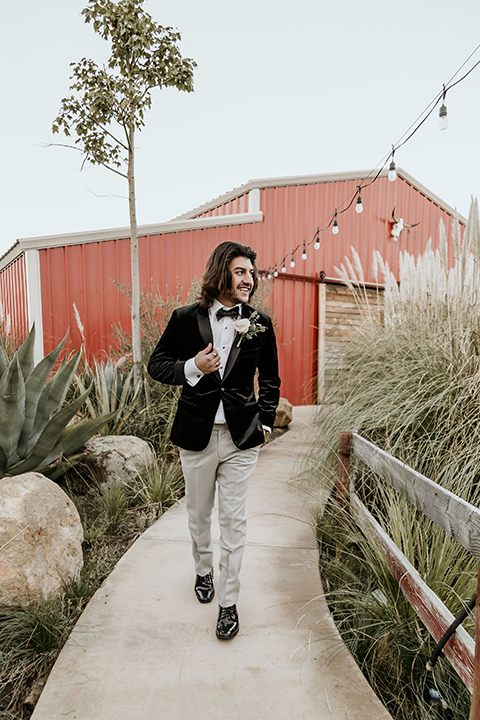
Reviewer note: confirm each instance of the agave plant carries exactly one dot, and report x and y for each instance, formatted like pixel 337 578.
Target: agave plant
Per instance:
pixel 113 392
pixel 34 420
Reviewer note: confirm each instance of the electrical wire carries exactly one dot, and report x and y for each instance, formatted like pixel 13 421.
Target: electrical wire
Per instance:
pixel 378 169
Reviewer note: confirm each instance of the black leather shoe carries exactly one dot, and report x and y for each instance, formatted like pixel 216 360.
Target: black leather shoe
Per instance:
pixel 227 623
pixel 204 589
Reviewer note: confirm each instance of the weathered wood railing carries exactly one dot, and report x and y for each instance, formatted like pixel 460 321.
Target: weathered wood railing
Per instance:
pixel 457 517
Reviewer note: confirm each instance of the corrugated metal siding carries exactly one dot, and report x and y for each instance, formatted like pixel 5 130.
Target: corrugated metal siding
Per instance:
pixel 13 296
pixel 86 275
pixel 82 274
pixel 236 205
pixel 293 213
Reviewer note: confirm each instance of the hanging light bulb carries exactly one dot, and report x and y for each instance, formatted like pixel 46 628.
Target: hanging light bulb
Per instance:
pixel 392 171
pixel 269 276
pixel 442 113
pixel 304 253
pixel 292 262
pixel 317 241
pixel 284 269
pixel 359 206
pixel 275 272
pixel 335 225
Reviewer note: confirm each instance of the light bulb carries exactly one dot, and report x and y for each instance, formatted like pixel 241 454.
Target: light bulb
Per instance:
pixel 442 117
pixel 304 253
pixel 284 269
pixel 392 172
pixel 269 276
pixel 275 272
pixel 359 206
pixel 317 241
pixel 292 262
pixel 335 227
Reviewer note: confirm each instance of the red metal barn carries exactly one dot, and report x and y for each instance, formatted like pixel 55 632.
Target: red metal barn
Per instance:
pixel 42 279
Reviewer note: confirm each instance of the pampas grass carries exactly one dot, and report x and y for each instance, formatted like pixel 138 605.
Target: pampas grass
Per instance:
pixel 410 384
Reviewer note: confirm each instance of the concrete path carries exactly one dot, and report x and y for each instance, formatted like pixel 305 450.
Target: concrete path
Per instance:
pixel 145 649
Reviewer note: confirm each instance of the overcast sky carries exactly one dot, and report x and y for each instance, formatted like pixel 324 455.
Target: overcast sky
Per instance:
pixel 282 88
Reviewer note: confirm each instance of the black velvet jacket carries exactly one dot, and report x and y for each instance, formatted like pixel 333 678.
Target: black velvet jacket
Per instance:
pixel 189 331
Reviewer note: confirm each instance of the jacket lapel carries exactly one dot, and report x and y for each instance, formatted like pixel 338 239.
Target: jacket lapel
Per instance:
pixel 235 350
pixel 204 325
pixel 206 332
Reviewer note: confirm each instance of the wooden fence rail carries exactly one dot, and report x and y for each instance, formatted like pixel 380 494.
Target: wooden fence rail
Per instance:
pixel 456 516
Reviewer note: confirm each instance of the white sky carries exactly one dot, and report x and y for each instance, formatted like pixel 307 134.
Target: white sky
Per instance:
pixel 282 88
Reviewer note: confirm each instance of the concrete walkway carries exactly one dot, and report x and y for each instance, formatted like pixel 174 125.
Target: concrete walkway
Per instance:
pixel 145 649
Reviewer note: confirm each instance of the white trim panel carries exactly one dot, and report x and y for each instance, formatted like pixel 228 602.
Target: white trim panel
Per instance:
pixel 40 243
pixel 34 300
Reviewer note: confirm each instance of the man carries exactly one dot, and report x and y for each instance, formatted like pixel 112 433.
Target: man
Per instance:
pixel 213 349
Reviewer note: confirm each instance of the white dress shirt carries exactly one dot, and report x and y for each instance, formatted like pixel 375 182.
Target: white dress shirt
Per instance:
pixel 223 336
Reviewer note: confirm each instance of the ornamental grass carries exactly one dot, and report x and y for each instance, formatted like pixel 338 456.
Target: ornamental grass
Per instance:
pixel 410 383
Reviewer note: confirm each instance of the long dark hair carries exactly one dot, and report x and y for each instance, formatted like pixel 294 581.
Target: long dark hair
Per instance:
pixel 218 277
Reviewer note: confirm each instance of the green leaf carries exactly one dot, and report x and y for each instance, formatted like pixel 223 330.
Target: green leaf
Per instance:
pixel 75 436
pixel 4 362
pixel 34 387
pixel 48 439
pixel 3 463
pixel 52 398
pixel 25 354
pixel 12 407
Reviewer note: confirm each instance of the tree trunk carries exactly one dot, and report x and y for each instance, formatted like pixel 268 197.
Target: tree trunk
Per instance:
pixel 136 332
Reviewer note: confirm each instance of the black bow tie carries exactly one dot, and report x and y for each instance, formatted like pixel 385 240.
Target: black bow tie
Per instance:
pixel 232 313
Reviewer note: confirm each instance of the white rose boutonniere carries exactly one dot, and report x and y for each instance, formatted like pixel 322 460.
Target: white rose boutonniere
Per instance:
pixel 247 328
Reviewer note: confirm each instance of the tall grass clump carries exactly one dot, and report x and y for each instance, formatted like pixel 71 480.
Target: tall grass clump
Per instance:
pixel 411 384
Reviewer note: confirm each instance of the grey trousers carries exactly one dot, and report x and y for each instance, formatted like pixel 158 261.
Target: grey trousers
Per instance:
pixel 224 467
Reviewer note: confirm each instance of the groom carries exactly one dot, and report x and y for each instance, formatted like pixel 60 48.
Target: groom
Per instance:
pixel 213 349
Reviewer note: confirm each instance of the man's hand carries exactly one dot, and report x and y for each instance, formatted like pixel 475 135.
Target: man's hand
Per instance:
pixel 207 360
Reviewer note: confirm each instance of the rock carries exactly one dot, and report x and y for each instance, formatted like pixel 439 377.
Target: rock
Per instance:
pixel 284 414
pixel 40 540
pixel 118 458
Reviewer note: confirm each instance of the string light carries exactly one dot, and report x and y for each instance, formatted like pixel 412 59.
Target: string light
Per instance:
pixel 442 113
pixel 373 176
pixel 359 206
pixel 335 224
pixel 392 171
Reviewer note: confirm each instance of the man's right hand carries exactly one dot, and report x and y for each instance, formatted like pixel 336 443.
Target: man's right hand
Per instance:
pixel 207 360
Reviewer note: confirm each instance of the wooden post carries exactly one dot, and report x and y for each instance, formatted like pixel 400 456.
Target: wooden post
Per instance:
pixel 321 343
pixel 475 707
pixel 343 482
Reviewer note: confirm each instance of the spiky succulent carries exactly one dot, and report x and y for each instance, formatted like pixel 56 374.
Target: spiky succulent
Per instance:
pixel 34 420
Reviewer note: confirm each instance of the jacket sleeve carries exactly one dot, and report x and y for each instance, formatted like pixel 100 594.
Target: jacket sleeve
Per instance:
pixel 165 364
pixel 268 378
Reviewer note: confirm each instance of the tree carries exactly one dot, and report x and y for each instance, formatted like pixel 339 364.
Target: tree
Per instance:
pixel 108 104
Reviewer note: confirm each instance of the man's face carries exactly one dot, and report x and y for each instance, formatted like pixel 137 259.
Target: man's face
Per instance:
pixel 241 270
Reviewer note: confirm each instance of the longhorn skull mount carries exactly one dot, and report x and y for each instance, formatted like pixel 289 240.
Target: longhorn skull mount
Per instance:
pixel 399 224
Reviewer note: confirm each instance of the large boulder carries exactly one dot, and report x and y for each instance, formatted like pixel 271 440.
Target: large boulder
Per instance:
pixel 284 414
pixel 40 540
pixel 118 458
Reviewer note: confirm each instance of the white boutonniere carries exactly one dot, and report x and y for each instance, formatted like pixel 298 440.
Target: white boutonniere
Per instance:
pixel 247 328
